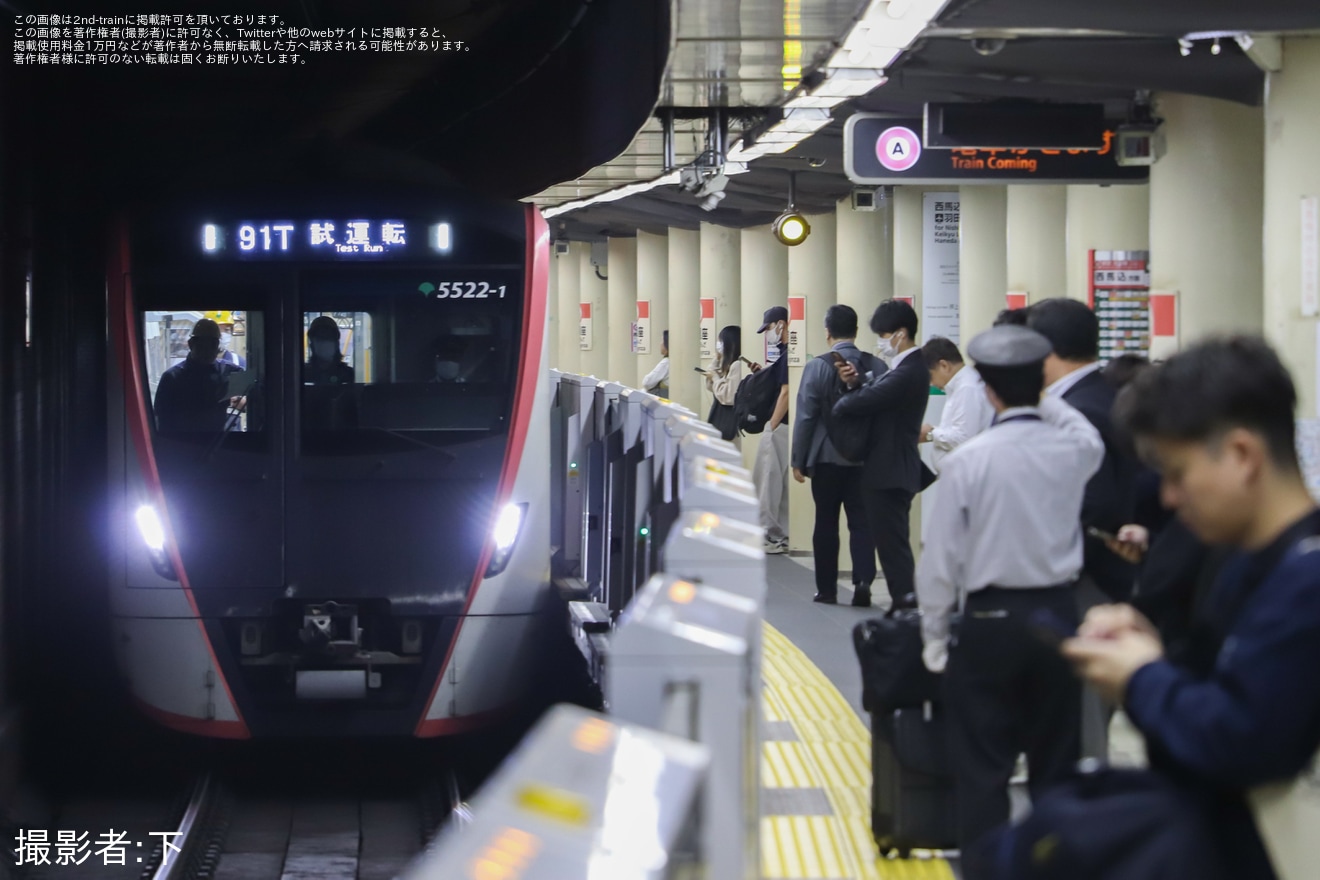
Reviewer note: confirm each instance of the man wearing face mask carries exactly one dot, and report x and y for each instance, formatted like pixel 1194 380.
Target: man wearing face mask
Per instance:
pixel 227 353
pixel 326 365
pixel 892 473
pixel 770 472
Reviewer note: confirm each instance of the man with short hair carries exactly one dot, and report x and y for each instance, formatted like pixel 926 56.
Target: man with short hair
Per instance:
pixel 1072 372
pixel 835 481
pixel 1004 547
pixel 1242 707
pixel 770 471
pixel 194 396
pixel 1013 317
pixel 967 412
pixel 892 473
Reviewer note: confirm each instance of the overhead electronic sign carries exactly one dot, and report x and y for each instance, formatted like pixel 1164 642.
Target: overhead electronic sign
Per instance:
pixel 881 149
pixel 325 238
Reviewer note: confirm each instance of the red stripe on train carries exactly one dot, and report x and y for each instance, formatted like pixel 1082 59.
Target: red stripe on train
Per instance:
pixel 124 329
pixel 524 396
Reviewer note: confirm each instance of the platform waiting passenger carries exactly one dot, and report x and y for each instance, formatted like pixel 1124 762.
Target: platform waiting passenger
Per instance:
pixel 657 381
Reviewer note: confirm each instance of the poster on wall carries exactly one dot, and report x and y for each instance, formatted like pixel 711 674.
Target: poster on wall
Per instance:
pixel 940 265
pixel 584 326
pixel 707 329
pixel 797 331
pixel 1120 296
pixel 642 329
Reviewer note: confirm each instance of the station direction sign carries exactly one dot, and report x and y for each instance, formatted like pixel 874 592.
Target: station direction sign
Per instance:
pixel 886 150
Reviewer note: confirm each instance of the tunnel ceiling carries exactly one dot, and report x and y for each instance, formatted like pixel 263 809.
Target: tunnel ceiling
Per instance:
pixel 1055 50
pixel 547 90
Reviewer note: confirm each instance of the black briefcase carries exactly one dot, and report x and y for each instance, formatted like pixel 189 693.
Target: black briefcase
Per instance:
pixel 893 675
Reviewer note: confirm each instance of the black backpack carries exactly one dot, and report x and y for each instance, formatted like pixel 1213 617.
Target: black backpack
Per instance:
pixel 850 435
pixel 754 402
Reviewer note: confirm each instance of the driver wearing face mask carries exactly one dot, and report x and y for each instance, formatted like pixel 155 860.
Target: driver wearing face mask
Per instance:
pixel 326 365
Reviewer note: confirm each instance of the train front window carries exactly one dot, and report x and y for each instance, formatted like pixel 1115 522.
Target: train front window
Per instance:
pixel 204 370
pixel 383 355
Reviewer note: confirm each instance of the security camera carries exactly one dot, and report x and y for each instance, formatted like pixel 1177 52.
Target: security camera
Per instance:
pixel 712 192
pixel 988 45
pixel 1140 144
pixel 690 179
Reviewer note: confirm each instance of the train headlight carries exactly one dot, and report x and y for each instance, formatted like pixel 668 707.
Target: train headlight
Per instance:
pixel 153 535
pixel 148 523
pixel 507 528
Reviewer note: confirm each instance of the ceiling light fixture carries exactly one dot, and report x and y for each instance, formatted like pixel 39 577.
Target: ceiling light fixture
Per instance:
pixel 1214 47
pixel 1184 47
pixel 790 227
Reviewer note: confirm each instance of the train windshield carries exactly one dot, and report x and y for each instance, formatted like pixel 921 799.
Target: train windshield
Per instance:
pixel 393 356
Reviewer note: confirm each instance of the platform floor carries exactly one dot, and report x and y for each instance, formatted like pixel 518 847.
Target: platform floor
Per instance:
pixel 816 764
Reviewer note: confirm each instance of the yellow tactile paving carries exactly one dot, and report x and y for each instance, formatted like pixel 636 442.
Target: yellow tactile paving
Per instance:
pixel 833 753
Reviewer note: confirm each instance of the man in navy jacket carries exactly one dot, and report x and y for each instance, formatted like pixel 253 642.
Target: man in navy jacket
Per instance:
pixel 1242 708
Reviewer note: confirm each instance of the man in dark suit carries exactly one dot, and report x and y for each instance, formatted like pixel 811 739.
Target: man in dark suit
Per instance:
pixel 892 473
pixel 1072 371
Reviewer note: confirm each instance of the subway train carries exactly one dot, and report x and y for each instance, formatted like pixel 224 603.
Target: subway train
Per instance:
pixel 328 460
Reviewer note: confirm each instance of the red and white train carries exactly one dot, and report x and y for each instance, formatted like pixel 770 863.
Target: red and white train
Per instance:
pixel 346 540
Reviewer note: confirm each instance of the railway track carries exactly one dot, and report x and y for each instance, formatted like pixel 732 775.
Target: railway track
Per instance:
pixel 228 832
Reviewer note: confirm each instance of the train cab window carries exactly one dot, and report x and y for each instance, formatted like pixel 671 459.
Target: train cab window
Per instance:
pixel 204 371
pixel 408 365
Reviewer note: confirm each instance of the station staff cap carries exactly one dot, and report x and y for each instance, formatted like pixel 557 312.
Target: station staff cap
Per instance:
pixel 772 314
pixel 1009 346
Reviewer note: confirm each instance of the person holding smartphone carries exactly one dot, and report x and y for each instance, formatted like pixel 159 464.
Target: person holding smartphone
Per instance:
pixel 1005 546
pixel 835 481
pixel 1241 709
pixel 728 371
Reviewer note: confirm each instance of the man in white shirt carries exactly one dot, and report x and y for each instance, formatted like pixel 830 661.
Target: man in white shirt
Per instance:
pixel 657 381
pixel 967 412
pixel 1004 545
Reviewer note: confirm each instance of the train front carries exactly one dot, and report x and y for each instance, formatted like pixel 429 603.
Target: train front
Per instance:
pixel 329 464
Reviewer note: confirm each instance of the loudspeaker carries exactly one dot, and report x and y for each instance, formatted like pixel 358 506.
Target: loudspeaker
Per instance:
pixel 561 247
pixel 863 200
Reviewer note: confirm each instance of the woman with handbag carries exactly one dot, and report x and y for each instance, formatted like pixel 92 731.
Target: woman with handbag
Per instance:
pixel 723 379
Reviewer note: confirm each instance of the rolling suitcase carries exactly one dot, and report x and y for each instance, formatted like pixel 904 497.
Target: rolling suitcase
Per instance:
pixel 913 805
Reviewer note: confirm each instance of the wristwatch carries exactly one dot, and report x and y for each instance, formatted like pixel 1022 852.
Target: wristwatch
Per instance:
pixel 930 435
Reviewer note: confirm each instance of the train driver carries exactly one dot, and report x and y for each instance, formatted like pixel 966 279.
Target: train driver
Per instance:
pixel 193 396
pixel 326 365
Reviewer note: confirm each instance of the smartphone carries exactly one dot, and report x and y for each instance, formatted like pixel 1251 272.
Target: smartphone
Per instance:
pixel 699 369
pixel 1101 534
pixel 1050 628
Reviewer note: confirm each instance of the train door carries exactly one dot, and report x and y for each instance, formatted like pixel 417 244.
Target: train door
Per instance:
pixel 213 386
